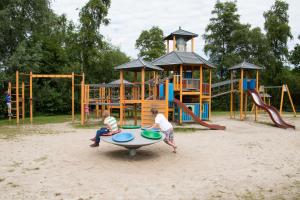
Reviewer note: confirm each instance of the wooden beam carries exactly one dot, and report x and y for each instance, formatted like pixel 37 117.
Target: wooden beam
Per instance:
pixel 231 94
pixel 17 97
pixel 241 94
pixel 174 43
pixel 167 99
pixel 168 46
pixel 209 112
pixel 143 83
pixel 291 100
pixel 193 45
pixel 257 86
pixel 121 96
pixel 82 99
pixel 52 75
pixel 23 101
pixel 30 97
pixel 180 111
pixel 201 90
pixel 281 99
pixel 73 98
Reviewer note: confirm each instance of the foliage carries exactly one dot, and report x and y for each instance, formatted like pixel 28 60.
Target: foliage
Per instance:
pixel 150 44
pixel 295 56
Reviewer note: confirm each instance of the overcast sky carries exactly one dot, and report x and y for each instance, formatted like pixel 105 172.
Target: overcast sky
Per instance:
pixel 130 17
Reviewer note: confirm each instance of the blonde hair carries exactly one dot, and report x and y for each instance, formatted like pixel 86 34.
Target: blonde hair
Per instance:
pixel 105 113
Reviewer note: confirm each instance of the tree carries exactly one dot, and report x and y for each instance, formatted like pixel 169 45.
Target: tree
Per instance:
pixel 278 29
pixel 19 19
pixel 220 44
pixel 295 56
pixel 150 44
pixel 92 16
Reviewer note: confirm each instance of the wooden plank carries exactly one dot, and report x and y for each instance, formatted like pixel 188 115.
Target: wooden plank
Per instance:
pixel 174 43
pixel 291 100
pixel 73 97
pixel 241 94
pixel 201 91
pixel 82 99
pixel 121 97
pixel 180 111
pixel 51 75
pixel 231 94
pixel 209 112
pixel 30 97
pixel 256 110
pixel 17 97
pixel 23 101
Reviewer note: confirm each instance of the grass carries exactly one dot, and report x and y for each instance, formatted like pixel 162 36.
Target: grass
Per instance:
pixel 38 120
pixel 186 130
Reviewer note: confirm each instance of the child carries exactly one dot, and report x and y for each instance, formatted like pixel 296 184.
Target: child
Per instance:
pixel 8 103
pixel 165 126
pixel 111 127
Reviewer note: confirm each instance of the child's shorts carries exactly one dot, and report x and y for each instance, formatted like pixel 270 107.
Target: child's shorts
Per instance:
pixel 169 135
pixel 8 105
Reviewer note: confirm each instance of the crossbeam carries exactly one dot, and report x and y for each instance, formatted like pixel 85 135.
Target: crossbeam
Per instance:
pixel 51 75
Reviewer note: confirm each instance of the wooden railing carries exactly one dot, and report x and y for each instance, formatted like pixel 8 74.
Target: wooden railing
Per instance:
pixel 189 84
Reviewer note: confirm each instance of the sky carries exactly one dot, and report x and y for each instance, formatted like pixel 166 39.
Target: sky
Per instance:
pixel 128 18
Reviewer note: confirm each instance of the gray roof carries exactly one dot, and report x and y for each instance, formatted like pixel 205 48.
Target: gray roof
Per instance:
pixel 180 32
pixel 118 82
pixel 137 64
pixel 178 58
pixel 245 65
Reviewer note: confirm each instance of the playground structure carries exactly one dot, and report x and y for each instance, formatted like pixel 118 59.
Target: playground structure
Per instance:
pixel 178 84
pixel 188 78
pixel 284 90
pixel 250 87
pixel 13 89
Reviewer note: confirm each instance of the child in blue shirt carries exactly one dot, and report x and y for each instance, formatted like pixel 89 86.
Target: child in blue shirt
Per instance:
pixel 8 103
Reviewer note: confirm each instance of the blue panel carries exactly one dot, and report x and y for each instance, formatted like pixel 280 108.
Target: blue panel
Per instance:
pixel 245 84
pixel 252 84
pixel 205 111
pixel 171 92
pixel 161 91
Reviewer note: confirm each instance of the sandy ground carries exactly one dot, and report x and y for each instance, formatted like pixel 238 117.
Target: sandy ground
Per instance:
pixel 246 161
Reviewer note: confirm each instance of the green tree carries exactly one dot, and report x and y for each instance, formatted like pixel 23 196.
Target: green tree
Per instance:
pixel 221 32
pixel 278 29
pixel 295 56
pixel 150 44
pixel 19 19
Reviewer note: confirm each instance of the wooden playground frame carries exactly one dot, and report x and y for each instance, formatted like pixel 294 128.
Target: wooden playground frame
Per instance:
pixel 31 77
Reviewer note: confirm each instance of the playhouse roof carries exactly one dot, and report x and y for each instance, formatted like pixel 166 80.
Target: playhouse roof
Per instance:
pixel 118 82
pixel 245 65
pixel 184 58
pixel 137 64
pixel 180 32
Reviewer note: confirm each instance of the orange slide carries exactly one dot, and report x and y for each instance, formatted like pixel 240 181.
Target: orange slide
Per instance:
pixel 273 112
pixel 199 121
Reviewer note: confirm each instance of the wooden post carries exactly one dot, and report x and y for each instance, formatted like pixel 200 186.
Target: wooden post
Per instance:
pixel 121 98
pixel 168 46
pixel 209 113
pixel 30 97
pixel 9 109
pixel 201 90
pixel 257 86
pixel 167 98
pixel 73 98
pixel 23 101
pixel 17 97
pixel 241 94
pixel 82 99
pixel 281 99
pixel 180 110
pixel 143 84
pixel 291 100
pixel 135 97
pixel 231 94
pixel 193 45
pixel 174 43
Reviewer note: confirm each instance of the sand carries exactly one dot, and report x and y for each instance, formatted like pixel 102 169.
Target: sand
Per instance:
pixel 246 161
